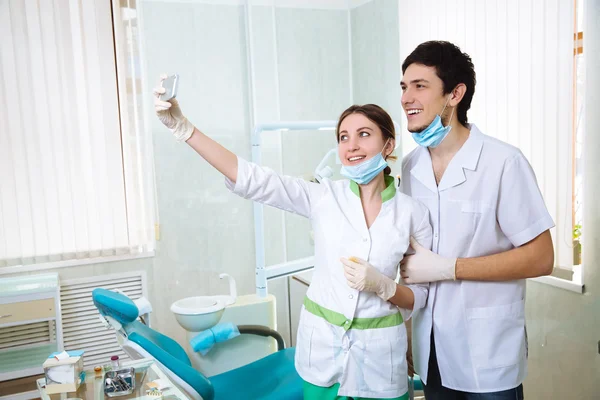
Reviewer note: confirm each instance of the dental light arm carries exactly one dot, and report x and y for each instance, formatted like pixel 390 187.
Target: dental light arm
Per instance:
pixel 323 170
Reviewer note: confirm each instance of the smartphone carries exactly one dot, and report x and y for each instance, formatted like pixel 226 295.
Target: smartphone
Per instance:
pixel 171 83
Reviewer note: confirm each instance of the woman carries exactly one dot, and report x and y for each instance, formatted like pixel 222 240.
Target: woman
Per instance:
pixel 351 337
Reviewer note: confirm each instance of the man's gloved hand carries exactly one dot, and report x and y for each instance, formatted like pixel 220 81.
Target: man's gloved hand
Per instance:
pixel 363 276
pixel 171 116
pixel 426 266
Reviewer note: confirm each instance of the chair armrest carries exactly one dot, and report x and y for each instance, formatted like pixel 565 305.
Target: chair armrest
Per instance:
pixel 265 331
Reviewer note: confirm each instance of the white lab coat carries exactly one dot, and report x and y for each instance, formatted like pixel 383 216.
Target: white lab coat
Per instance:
pixel 365 362
pixel 487 202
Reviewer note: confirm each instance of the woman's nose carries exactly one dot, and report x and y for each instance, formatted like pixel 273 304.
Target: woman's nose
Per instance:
pixel 353 144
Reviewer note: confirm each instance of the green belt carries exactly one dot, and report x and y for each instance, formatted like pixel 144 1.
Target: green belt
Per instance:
pixel 335 318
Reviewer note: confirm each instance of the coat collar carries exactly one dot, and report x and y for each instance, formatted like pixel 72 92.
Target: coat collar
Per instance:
pixel 467 157
pixel 387 194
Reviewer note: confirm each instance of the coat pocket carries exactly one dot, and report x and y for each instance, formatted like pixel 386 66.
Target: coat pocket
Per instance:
pixel 467 217
pixel 318 344
pixel 497 335
pixel 471 213
pixel 476 207
pixel 385 366
pixel 378 365
pixel 316 350
pixel 303 337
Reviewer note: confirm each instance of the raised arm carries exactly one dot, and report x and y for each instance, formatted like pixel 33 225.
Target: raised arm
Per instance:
pixel 171 116
pixel 243 178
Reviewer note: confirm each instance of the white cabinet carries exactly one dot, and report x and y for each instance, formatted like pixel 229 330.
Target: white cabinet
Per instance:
pixel 30 324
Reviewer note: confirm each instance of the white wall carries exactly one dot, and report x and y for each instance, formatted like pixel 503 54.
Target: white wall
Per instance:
pixel 376 64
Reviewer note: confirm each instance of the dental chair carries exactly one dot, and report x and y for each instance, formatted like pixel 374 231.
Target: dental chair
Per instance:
pixel 273 377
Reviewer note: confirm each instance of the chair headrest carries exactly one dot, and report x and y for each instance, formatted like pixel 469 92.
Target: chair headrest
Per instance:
pixel 115 305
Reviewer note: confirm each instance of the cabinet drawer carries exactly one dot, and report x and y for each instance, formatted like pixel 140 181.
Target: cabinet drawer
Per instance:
pixel 26 310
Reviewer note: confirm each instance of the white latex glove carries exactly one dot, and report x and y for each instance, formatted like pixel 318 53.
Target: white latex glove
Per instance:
pixel 426 266
pixel 363 276
pixel 171 116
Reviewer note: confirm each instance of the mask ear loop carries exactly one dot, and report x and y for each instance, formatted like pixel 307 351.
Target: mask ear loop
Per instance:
pixel 384 146
pixel 451 114
pixel 445 104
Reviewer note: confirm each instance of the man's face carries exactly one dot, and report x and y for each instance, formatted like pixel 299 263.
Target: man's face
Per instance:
pixel 422 97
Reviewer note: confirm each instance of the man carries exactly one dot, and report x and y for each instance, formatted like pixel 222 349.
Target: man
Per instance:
pixel 490 232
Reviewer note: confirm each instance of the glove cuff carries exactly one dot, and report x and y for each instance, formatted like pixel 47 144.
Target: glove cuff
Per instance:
pixel 183 130
pixel 387 288
pixel 452 269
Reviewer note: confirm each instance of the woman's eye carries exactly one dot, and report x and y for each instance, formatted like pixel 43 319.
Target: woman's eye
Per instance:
pixel 364 134
pixel 343 138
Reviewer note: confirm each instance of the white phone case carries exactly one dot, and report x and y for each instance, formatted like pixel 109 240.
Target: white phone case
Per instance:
pixel 170 84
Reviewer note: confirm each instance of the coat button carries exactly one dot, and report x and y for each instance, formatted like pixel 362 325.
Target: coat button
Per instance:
pixel 350 296
pixel 365 240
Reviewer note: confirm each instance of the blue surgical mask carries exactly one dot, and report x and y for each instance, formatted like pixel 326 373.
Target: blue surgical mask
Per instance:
pixel 435 133
pixel 364 172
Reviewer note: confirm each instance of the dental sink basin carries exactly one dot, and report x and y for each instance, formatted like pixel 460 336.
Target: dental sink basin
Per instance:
pixel 198 313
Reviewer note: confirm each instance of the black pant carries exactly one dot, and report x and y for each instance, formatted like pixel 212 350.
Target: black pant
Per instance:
pixel 435 391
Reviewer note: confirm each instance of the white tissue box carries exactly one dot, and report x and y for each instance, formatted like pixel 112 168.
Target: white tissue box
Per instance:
pixel 65 375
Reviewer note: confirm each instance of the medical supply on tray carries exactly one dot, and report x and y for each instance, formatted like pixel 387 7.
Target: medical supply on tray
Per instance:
pixel 159 384
pixel 119 382
pixel 64 372
pixel 154 393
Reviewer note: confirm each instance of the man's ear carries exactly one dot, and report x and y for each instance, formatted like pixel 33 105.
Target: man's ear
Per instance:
pixel 457 94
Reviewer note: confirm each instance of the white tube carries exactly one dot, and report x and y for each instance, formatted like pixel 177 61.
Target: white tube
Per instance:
pixel 232 287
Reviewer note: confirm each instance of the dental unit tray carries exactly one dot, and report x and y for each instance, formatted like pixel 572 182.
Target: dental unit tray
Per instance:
pixel 121 382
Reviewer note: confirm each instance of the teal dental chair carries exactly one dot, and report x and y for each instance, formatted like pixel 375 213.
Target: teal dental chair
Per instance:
pixel 271 378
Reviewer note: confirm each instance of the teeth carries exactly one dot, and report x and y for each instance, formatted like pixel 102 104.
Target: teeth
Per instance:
pixel 355 158
pixel 412 112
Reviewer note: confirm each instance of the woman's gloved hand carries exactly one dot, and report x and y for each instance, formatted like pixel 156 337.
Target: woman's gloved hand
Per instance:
pixel 363 276
pixel 170 114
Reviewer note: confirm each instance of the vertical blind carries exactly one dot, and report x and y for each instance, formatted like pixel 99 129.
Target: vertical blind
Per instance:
pixel 65 190
pixel 523 56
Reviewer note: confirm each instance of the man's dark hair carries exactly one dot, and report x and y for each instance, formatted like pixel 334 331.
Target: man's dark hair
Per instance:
pixel 452 67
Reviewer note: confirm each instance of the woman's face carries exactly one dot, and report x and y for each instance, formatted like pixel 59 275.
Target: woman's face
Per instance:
pixel 359 139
